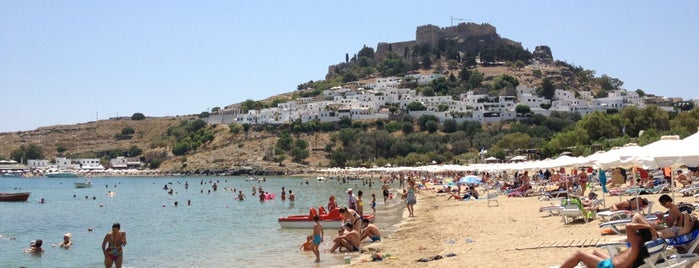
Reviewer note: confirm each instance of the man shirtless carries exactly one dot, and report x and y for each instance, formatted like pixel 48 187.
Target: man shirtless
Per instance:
pixel 348 240
pixel 371 231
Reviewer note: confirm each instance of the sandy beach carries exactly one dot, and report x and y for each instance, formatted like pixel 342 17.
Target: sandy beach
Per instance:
pixel 499 236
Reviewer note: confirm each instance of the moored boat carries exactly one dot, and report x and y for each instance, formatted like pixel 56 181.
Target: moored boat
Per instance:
pixel 306 221
pixel 83 184
pixel 62 174
pixel 14 197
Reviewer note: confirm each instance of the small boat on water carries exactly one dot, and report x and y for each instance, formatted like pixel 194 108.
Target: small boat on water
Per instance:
pixel 321 179
pixel 83 184
pixel 306 221
pixel 62 174
pixel 14 197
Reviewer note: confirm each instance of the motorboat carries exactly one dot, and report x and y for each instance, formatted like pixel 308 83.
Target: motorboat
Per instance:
pixel 321 179
pixel 14 197
pixel 83 184
pixel 62 174
pixel 306 221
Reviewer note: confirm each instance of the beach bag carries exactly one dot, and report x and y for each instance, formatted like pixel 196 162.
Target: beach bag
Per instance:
pixel 685 207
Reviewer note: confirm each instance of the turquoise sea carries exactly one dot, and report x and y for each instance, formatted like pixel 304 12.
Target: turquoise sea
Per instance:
pixel 214 231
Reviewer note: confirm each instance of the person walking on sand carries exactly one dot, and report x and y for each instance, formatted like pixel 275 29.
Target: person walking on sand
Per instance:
pixel 411 199
pixel 318 235
pixel 114 242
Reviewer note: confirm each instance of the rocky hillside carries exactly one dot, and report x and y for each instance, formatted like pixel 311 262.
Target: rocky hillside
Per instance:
pixel 226 153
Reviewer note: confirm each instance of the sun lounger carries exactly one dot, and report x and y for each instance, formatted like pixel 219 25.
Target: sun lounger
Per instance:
pixel 691 190
pixel 659 258
pixel 686 243
pixel 614 225
pixel 620 214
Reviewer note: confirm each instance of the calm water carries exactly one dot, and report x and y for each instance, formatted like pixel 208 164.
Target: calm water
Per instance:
pixel 215 231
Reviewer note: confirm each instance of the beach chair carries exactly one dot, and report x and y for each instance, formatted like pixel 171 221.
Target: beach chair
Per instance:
pixel 685 243
pixel 492 196
pixel 573 209
pixel 691 190
pixel 621 214
pixel 657 249
pixel 614 225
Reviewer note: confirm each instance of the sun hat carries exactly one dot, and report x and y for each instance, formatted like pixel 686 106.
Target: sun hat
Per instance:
pixel 349 190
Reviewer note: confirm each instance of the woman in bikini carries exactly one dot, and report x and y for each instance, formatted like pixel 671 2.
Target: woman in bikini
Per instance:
pixel 115 241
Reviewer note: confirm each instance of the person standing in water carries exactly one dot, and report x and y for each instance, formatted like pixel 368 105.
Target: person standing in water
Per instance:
pixel 112 247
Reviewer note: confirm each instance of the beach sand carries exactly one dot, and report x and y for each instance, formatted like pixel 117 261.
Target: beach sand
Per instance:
pixel 500 236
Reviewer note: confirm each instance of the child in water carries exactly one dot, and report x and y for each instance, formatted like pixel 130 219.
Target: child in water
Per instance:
pixel 308 245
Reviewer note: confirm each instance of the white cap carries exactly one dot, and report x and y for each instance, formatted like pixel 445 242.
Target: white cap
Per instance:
pixel 349 190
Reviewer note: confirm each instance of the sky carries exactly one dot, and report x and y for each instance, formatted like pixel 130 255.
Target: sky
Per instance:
pixel 69 62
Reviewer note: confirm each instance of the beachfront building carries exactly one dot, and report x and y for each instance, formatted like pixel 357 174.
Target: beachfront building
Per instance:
pixel 65 163
pixel 125 163
pixel 90 164
pixel 38 164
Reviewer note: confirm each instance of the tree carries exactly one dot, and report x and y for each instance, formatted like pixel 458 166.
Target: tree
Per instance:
pixel 367 52
pixel 522 109
pixel 284 142
pixel 204 114
pixel 407 127
pixel 449 126
pixel 138 116
pixel 300 151
pixel 346 57
pixel 415 106
pixel 432 126
pixel 547 89
pixel 464 74
pixel 215 109
pixel 134 151
pixel 25 152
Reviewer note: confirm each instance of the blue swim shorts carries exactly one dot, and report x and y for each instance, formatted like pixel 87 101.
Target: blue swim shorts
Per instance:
pixel 607 263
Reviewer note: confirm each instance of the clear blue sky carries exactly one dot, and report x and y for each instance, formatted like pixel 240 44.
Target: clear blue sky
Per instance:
pixel 67 62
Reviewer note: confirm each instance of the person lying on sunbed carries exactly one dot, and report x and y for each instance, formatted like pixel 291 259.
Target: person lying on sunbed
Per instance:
pixel 631 204
pixel 674 231
pixel 637 235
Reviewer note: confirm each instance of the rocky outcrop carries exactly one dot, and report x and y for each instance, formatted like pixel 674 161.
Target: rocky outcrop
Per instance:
pixel 542 54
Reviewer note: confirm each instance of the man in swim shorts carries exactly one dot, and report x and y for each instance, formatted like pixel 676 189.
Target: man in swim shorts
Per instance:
pixel 349 239
pixel 370 230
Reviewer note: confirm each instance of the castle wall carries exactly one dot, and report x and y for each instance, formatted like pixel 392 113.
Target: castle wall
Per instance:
pixel 398 48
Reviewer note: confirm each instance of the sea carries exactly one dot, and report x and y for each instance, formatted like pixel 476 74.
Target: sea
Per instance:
pixel 214 230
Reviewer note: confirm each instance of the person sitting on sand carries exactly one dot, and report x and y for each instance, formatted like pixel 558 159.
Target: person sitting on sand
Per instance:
pixel 370 230
pixel 308 245
pixel 348 240
pixel 631 204
pixel 637 235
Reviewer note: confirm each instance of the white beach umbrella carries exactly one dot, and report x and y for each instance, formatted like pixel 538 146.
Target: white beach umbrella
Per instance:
pixel 661 153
